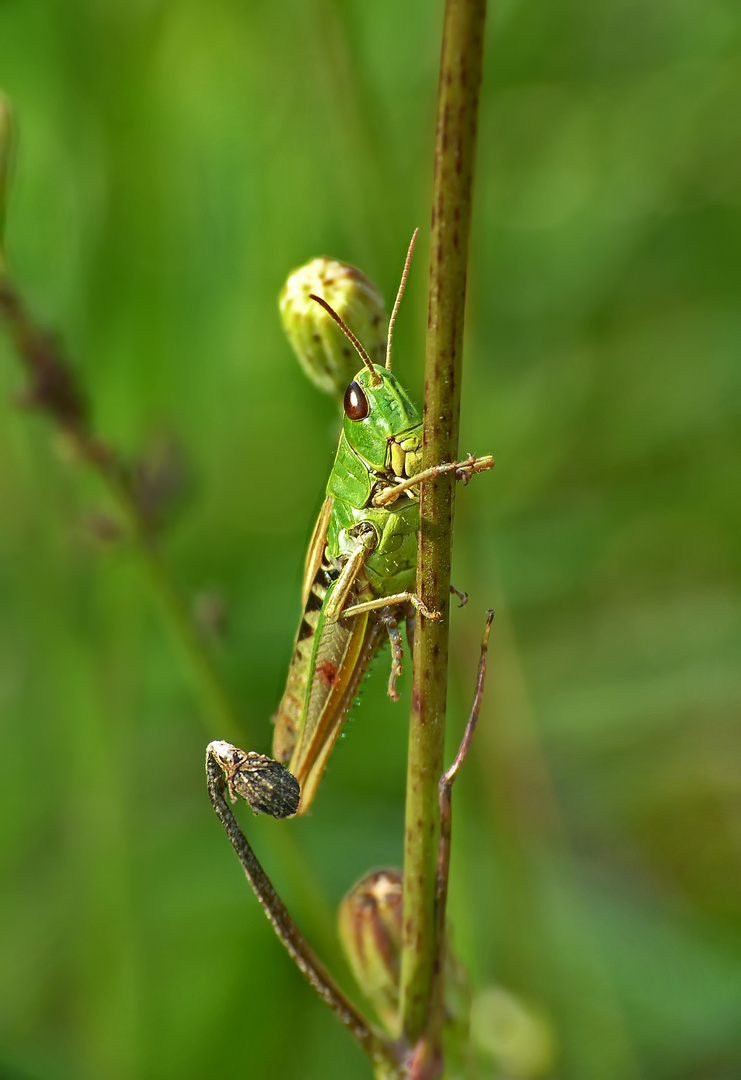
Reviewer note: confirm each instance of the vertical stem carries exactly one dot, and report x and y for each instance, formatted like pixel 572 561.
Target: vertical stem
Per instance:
pixel 460 77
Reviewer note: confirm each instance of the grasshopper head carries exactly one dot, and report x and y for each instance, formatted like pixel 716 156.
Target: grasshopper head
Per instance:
pixel 377 409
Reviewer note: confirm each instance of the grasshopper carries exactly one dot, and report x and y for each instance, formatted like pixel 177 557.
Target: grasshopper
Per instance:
pixel 360 568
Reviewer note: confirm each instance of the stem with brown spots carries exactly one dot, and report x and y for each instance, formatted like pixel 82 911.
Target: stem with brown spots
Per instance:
pixel 458 93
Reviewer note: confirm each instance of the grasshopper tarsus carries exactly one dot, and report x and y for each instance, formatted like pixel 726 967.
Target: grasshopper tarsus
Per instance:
pixel 466 469
pixel 462 596
pixel 425 612
pixel 421 607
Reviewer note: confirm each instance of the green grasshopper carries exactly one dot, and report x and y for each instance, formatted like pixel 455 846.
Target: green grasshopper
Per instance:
pixel 360 568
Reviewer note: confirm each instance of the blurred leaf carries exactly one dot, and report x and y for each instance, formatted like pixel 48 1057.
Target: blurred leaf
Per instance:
pixel 174 161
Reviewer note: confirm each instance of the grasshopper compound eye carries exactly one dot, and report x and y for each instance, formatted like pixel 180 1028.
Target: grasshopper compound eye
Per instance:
pixel 356 403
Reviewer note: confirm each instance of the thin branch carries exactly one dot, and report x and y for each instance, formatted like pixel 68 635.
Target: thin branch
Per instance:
pixel 378 1048
pixel 53 388
pixel 460 77
pixel 445 785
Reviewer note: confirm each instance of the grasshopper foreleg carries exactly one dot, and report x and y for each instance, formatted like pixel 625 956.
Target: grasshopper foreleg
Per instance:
pixel 386 601
pixel 365 540
pixel 463 470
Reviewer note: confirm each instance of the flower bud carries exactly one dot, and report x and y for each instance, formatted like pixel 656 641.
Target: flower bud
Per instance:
pixel 514 1033
pixel 370 923
pixel 325 354
pixel 265 784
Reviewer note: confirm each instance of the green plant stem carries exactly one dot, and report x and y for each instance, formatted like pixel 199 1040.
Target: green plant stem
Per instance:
pixel 460 77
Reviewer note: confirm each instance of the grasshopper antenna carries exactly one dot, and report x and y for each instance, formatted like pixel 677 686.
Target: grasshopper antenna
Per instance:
pixel 375 377
pixel 399 295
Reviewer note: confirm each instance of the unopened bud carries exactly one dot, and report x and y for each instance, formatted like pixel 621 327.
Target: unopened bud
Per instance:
pixel 514 1033
pixel 370 925
pixel 265 784
pixel 325 354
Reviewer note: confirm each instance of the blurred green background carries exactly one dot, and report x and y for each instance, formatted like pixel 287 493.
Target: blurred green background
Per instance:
pixel 177 158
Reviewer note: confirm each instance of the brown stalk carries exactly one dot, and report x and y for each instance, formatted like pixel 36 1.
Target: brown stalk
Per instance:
pixel 458 93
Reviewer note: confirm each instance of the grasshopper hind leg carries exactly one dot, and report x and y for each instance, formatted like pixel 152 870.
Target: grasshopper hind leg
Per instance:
pixel 389 620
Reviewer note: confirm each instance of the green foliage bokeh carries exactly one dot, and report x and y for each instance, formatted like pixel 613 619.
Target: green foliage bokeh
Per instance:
pixel 176 159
